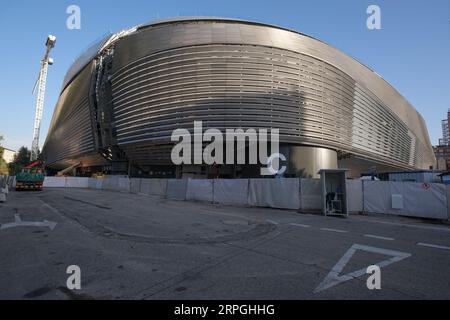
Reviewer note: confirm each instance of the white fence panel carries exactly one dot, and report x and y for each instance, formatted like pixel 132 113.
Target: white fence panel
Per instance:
pixel 418 200
pixel 116 183
pixel 135 185
pixel 231 191
pixel 99 184
pixel 54 182
pixel 110 183
pixel 176 189
pixel 12 182
pixel 200 190
pixel 448 201
pixel 422 200
pixel 155 187
pixel 77 182
pixel 144 187
pixel 92 183
pixel 311 194
pixel 274 193
pixel 158 187
pixel 124 185
pixel 355 196
pixel 95 183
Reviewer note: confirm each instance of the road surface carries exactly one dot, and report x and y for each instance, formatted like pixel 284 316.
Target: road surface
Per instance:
pixel 132 246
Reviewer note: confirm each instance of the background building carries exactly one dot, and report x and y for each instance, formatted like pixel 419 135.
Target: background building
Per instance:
pixel 122 99
pixel 8 155
pixel 442 151
pixel 445 141
pixel 442 154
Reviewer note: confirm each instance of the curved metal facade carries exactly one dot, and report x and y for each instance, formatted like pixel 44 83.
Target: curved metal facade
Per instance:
pixel 231 74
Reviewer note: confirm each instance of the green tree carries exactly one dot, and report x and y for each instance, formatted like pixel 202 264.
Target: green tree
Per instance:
pixel 21 159
pixel 1 148
pixel 3 166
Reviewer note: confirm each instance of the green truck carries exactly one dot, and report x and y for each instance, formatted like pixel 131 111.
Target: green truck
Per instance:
pixel 31 178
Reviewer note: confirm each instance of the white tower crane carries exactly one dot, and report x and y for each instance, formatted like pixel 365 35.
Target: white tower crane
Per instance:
pixel 40 85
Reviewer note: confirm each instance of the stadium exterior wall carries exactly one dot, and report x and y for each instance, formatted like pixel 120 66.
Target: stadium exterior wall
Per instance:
pixel 122 101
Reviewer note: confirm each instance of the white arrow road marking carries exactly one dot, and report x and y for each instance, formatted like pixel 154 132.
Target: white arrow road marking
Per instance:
pixel 19 223
pixel 333 278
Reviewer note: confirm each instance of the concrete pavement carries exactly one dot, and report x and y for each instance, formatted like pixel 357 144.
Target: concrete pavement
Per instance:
pixel 142 247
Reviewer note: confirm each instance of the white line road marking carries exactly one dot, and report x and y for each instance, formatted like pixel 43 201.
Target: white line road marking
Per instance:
pixel 49 207
pixel 378 237
pixel 333 278
pixel 428 245
pixel 300 225
pixel 333 230
pixel 272 222
pixel 399 224
pixel 19 223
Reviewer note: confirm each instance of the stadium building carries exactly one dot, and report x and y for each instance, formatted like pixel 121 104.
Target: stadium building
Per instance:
pixel 123 98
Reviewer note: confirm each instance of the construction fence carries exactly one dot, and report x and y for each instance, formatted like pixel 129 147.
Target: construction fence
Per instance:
pixel 395 198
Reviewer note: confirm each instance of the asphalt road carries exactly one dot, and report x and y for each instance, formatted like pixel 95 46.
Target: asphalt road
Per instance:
pixel 142 247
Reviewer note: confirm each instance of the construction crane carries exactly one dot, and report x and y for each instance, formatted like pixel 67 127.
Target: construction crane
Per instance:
pixel 40 85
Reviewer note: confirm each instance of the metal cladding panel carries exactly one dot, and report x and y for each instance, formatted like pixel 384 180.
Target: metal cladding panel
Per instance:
pixel 167 36
pixel 229 86
pixel 83 60
pixel 237 74
pixel 70 134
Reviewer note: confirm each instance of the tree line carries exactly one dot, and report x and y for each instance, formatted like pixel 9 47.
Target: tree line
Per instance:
pixel 21 159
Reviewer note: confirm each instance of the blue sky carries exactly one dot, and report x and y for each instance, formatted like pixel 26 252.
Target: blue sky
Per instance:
pixel 412 51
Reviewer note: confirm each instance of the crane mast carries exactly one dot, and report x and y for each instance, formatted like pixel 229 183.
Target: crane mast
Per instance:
pixel 40 85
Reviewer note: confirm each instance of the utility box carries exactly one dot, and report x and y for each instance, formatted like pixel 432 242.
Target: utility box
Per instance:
pixel 334 192
pixel 397 202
